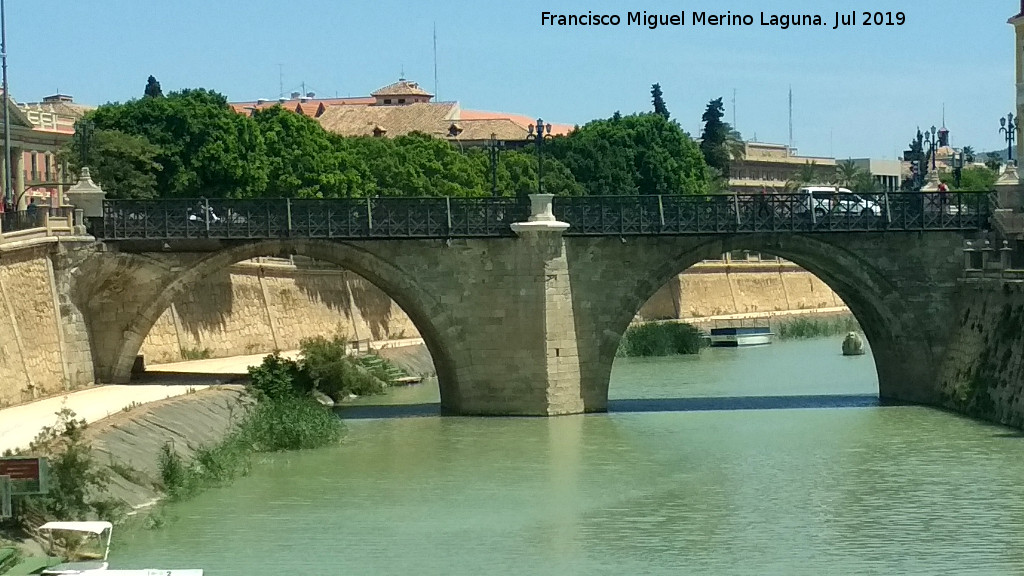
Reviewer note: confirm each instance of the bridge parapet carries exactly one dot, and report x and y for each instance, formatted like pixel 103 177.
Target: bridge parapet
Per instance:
pixel 489 217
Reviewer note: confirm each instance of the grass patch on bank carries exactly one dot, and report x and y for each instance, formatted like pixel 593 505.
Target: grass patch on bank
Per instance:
pixel 660 339
pixel 803 327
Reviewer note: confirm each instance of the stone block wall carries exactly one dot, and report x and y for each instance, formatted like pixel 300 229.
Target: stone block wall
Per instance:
pixel 983 371
pixel 712 289
pixel 255 308
pixel 44 349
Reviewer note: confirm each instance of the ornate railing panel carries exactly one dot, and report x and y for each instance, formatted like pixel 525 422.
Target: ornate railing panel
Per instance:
pixel 343 218
pixel 362 218
pixel 750 213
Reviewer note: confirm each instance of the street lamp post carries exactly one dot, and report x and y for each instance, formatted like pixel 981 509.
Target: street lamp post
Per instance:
pixel 8 186
pixel 1008 127
pixel 542 131
pixel 931 142
pixel 494 146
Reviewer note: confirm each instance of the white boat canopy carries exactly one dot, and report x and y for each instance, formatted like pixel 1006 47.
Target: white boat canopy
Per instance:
pixel 95 527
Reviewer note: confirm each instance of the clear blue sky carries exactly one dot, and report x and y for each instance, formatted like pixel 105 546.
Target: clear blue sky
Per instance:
pixel 857 91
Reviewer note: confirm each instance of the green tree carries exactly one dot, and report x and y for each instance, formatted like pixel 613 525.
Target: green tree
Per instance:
pixel 993 160
pixel 808 173
pixel 969 154
pixel 124 165
pixel 974 178
pixel 659 102
pixel 205 147
pixel 714 138
pixel 305 161
pixel 153 89
pixel 847 173
pixel 635 154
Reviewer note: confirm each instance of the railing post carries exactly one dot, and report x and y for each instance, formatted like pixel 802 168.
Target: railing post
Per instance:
pixel 736 207
pixel 206 214
pixel 888 210
pixel 661 211
pixel 288 214
pixel 448 208
pixel 46 220
pixel 369 218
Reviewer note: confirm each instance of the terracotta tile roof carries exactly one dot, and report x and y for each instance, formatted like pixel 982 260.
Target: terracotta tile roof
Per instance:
pixel 401 88
pixel 308 108
pixel 524 121
pixel 481 130
pixel 432 118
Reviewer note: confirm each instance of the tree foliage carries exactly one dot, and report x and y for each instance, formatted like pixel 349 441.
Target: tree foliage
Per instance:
pixel 974 178
pixel 124 165
pixel 635 154
pixel 714 140
pixel 659 102
pixel 153 89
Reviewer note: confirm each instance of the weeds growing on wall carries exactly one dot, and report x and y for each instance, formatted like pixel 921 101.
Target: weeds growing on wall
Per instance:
pixel 196 353
pixel 660 339
pixel 803 327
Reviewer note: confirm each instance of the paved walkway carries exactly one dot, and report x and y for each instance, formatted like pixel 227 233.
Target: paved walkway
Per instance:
pixel 19 425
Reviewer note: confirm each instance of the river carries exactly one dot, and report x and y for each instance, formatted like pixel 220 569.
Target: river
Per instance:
pixel 770 460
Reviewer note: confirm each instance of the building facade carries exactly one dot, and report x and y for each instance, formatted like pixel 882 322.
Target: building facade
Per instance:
pixel 38 130
pixel 769 167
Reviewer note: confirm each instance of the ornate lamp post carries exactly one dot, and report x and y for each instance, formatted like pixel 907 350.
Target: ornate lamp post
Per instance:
pixel 493 147
pixel 1008 127
pixel 542 131
pixel 931 144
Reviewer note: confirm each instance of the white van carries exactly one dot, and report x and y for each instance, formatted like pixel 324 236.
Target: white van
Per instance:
pixel 822 200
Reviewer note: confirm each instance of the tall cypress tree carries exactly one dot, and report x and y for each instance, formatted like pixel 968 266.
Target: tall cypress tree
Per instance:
pixel 716 134
pixel 153 88
pixel 659 101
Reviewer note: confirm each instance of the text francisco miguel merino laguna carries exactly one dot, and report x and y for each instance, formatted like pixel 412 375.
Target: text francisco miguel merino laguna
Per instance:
pixel 783 21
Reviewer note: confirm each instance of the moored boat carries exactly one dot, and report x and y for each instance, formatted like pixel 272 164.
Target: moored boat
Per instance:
pixel 739 336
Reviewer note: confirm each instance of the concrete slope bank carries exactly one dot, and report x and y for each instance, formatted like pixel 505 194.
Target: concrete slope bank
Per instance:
pixel 128 443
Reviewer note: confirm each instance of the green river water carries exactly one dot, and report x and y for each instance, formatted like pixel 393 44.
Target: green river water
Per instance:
pixel 770 460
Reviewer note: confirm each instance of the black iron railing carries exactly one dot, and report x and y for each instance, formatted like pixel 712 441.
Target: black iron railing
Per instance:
pixel 360 218
pixel 342 218
pixel 28 219
pixel 739 213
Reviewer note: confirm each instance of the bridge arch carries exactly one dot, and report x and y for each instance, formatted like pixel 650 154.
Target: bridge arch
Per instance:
pixel 901 305
pixel 419 303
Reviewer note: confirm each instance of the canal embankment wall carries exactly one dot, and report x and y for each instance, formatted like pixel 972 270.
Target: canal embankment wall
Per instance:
pixel 982 373
pixel 44 347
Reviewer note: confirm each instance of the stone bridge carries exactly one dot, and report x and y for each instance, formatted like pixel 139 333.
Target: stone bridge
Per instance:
pixel 528 324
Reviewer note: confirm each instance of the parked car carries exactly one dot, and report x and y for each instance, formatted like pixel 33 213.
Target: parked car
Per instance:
pixel 822 200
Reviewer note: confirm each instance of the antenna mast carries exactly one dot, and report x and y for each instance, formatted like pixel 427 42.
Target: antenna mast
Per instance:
pixel 734 109
pixel 791 116
pixel 438 98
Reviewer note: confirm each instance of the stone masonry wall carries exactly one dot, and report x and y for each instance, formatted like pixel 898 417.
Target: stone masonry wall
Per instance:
pixel 715 289
pixel 253 308
pixel 42 351
pixel 983 372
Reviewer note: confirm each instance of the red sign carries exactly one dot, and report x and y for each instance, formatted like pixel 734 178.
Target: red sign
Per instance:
pixel 20 468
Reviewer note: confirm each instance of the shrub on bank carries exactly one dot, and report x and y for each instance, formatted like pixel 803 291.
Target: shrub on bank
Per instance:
pixel 660 339
pixel 76 479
